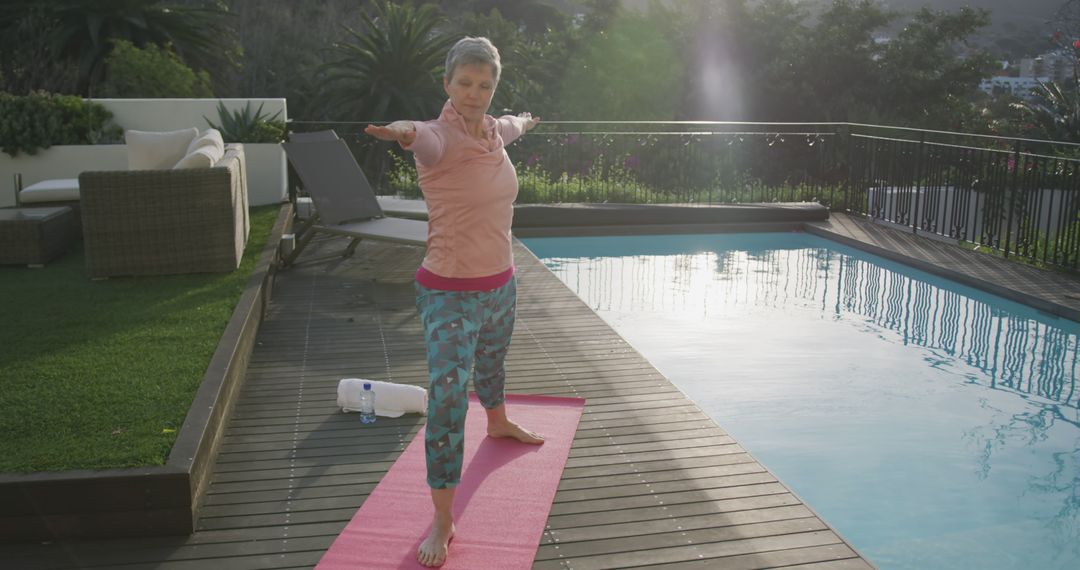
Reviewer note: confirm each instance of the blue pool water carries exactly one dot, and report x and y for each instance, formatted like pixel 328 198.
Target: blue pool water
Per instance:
pixel 933 425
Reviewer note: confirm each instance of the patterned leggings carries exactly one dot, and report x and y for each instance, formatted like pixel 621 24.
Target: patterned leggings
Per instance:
pixel 461 329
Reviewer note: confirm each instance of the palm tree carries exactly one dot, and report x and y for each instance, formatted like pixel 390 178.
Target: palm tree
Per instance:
pixel 27 59
pixel 392 69
pixel 83 30
pixel 1055 112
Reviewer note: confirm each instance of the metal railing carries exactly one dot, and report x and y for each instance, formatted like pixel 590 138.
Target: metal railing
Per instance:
pixel 1017 197
pixel 1008 195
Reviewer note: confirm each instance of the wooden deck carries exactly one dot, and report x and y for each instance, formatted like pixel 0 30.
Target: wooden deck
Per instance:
pixel 651 480
pixel 1054 292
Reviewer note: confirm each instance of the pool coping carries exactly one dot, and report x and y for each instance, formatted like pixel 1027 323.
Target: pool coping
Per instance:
pixel 154 500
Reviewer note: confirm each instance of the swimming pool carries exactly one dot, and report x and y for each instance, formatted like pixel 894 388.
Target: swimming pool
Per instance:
pixel 932 424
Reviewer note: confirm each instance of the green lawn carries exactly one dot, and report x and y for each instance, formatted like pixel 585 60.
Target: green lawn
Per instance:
pixel 98 374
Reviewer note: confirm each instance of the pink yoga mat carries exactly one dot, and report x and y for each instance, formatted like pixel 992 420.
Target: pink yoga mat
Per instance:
pixel 500 508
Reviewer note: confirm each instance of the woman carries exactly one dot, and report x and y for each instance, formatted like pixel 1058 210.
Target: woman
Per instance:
pixel 466 292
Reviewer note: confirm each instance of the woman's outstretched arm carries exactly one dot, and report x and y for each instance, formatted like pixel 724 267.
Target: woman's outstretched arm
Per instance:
pixel 401 132
pixel 429 145
pixel 513 126
pixel 530 121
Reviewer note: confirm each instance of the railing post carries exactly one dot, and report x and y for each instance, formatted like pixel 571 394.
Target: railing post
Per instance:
pixel 1011 196
pixel 918 182
pixel 848 139
pixel 18 188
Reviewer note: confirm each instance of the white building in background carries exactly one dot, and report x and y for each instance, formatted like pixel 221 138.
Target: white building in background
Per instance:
pixel 1016 86
pixel 1044 68
pixel 1054 66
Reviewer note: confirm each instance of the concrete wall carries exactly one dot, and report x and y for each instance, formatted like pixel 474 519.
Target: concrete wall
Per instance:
pixel 173 114
pixel 267 174
pixel 265 162
pixel 964 211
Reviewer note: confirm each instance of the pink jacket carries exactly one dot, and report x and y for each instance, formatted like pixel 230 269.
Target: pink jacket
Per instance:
pixel 470 186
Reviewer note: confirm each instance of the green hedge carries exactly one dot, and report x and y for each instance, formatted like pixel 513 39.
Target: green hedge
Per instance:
pixel 29 123
pixel 151 72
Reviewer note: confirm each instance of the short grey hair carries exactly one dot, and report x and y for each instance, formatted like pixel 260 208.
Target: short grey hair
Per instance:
pixel 468 51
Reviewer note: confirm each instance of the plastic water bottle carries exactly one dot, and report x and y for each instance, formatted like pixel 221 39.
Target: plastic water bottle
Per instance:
pixel 367 404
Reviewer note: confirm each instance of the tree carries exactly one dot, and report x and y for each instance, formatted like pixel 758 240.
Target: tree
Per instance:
pixel 776 59
pixel 537 72
pixel 151 72
pixel 282 44
pixel 504 35
pixel 391 69
pixel 82 31
pixel 28 60
pixel 1067 19
pixel 925 81
pixel 599 14
pixel 631 70
pixel 714 48
pixel 532 64
pixel 839 63
pixel 1054 113
pixel 534 17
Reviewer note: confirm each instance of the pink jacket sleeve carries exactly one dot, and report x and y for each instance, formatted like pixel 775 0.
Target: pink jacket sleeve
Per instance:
pixel 429 145
pixel 510 128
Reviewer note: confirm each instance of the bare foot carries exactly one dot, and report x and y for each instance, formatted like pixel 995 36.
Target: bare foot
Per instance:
pixel 432 552
pixel 511 429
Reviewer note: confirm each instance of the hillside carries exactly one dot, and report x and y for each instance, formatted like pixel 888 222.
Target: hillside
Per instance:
pixel 1020 13
pixel 1018 28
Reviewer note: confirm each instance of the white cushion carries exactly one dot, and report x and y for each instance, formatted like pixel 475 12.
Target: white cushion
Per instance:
pixel 157 150
pixel 209 137
pixel 57 190
pixel 202 157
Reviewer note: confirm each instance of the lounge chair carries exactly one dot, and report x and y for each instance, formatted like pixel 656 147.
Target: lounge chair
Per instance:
pixel 344 202
pixel 314 136
pixel 303 204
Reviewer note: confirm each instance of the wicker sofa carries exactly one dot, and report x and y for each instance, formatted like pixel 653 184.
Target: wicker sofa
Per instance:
pixel 153 222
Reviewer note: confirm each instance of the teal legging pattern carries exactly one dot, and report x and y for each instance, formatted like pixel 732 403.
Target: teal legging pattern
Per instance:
pixel 462 329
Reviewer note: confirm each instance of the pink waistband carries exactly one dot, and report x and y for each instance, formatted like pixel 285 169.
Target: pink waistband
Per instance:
pixel 486 283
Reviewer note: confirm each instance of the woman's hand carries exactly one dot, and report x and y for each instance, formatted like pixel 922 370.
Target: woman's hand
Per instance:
pixel 402 132
pixel 531 122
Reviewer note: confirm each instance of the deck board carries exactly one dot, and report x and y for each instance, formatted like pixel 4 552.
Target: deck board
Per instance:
pixel 651 481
